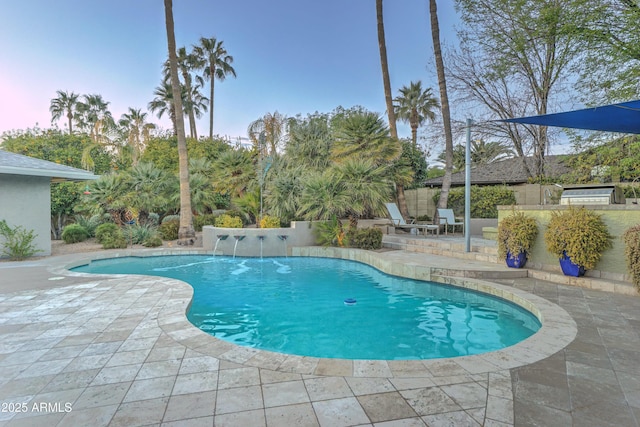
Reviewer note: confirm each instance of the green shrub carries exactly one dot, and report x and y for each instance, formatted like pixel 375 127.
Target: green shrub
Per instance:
pixel 331 233
pixel 228 221
pixel 114 241
pixel 484 200
pixel 200 221
pixel 152 241
pixel 171 218
pixel 169 229
pixel 632 253
pixel 580 233
pixel 270 222
pixel 89 223
pixel 105 230
pixel 366 238
pixel 137 233
pixel 17 242
pixel 74 233
pixel 516 233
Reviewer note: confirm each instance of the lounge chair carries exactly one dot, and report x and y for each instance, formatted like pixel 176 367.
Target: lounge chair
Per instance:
pixel 398 221
pixel 447 219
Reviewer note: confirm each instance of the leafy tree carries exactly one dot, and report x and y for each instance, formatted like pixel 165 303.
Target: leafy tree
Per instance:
pixel 415 106
pixel 66 104
pixel 64 198
pixel 162 151
pixel 186 233
pixel 54 146
pixel 513 59
pixel 415 159
pixel 611 67
pixel 217 65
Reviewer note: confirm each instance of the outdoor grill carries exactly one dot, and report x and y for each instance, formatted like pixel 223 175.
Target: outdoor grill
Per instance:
pixel 601 195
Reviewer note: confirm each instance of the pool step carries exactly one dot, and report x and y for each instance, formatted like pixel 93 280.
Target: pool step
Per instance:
pixel 481 249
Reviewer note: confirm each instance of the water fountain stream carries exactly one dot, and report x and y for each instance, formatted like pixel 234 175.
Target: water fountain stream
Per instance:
pixel 261 237
pixel 220 237
pixel 283 237
pixel 235 246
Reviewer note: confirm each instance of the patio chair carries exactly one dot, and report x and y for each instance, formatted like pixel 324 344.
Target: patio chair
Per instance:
pixel 447 219
pixel 398 221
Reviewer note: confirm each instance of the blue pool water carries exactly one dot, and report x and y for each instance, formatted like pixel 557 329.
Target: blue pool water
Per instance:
pixel 333 308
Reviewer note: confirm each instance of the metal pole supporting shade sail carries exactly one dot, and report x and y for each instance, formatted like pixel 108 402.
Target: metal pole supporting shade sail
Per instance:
pixel 623 118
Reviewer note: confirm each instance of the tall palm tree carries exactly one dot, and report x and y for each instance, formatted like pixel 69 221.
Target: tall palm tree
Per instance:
pixel 65 104
pixel 136 130
pixel 186 232
pixel 415 106
pixel 382 44
pixel 444 101
pixel 217 65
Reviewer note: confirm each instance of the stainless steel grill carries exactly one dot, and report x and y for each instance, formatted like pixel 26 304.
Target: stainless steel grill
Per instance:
pixel 592 196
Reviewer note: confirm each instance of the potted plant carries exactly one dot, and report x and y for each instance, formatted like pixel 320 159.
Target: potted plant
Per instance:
pixel 578 237
pixel 632 253
pixel 516 235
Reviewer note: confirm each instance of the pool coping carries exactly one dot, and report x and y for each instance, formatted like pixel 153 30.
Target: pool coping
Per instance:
pixel 557 331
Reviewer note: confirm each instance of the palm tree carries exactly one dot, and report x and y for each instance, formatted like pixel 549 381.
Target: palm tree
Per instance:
pixel 163 103
pixel 217 65
pixel 367 187
pixel 234 172
pixel 415 106
pixel 148 187
pixel 382 44
pixel 444 100
pixel 186 232
pixel 273 126
pixel 365 135
pixel 94 116
pixel 65 104
pixel 137 131
pixel 186 63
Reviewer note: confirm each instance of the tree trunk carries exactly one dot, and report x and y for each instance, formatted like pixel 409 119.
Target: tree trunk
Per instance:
pixel 402 201
pixel 186 232
pixel 444 103
pixel 192 117
pixel 211 93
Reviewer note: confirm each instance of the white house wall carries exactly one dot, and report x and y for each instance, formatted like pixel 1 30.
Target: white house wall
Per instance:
pixel 26 201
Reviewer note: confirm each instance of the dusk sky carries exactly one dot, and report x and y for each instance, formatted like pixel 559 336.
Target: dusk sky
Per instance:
pixel 293 56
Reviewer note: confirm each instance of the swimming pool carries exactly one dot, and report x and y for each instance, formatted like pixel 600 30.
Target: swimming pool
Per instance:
pixel 303 306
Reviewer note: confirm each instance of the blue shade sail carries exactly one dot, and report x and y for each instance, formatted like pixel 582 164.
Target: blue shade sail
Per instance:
pixel 623 118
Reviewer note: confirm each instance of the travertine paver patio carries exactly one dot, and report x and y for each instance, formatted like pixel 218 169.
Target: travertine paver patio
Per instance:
pixel 102 350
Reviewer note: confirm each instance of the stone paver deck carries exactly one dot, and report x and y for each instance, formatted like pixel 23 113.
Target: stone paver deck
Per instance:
pixel 82 350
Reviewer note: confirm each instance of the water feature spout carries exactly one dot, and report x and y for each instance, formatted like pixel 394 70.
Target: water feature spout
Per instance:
pixel 283 237
pixel 220 237
pixel 261 237
pixel 235 246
